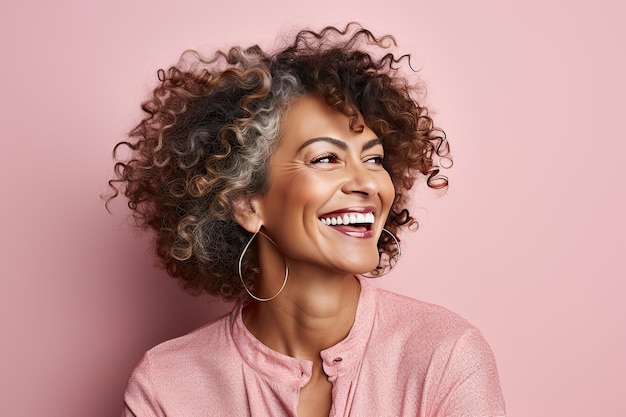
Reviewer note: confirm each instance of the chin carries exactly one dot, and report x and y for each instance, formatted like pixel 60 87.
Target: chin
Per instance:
pixel 364 267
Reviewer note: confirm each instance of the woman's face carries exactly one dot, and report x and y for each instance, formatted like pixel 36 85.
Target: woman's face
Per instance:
pixel 328 195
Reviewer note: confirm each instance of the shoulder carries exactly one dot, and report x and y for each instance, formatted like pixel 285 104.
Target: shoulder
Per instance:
pixel 414 317
pixel 210 336
pixel 206 349
pixel 428 336
pixel 439 351
pixel 177 359
pixel 175 374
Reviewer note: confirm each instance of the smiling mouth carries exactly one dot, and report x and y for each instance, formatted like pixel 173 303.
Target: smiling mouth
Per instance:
pixel 349 218
pixel 351 224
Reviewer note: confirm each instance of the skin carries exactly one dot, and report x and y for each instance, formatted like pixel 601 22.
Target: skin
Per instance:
pixel 319 169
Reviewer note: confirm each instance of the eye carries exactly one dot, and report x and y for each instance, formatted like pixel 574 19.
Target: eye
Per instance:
pixel 325 159
pixel 376 160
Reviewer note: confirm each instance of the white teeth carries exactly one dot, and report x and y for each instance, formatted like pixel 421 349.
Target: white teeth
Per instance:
pixel 358 218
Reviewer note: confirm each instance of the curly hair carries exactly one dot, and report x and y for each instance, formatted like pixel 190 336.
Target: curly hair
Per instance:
pixel 211 126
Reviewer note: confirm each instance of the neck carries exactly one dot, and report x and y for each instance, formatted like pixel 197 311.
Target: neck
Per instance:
pixel 310 315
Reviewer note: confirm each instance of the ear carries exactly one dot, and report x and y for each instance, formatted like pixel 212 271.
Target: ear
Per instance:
pixel 247 213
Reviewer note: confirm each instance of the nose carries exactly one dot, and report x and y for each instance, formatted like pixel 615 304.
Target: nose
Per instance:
pixel 360 180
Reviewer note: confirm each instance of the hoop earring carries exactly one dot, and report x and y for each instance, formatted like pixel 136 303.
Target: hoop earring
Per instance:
pixel 392 260
pixel 241 275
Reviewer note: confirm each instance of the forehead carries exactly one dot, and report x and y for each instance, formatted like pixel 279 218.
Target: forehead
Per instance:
pixel 310 117
pixel 310 114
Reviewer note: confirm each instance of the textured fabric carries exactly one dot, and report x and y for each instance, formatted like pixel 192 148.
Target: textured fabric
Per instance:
pixel 402 357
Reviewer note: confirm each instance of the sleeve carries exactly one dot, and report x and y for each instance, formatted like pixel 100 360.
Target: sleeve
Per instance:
pixel 469 385
pixel 140 398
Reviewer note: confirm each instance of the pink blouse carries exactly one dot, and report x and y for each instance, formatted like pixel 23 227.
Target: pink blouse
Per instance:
pixel 402 357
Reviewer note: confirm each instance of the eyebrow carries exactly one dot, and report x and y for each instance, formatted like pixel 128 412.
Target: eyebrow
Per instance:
pixel 341 144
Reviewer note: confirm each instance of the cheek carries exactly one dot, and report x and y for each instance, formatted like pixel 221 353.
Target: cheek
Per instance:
pixel 387 191
pixel 309 189
pixel 296 199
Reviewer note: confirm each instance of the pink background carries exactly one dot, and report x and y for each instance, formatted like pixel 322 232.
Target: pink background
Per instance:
pixel 528 244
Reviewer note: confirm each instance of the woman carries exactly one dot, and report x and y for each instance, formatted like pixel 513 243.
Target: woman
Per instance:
pixel 280 180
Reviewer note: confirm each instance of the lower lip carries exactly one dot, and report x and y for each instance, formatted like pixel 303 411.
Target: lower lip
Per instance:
pixel 359 235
